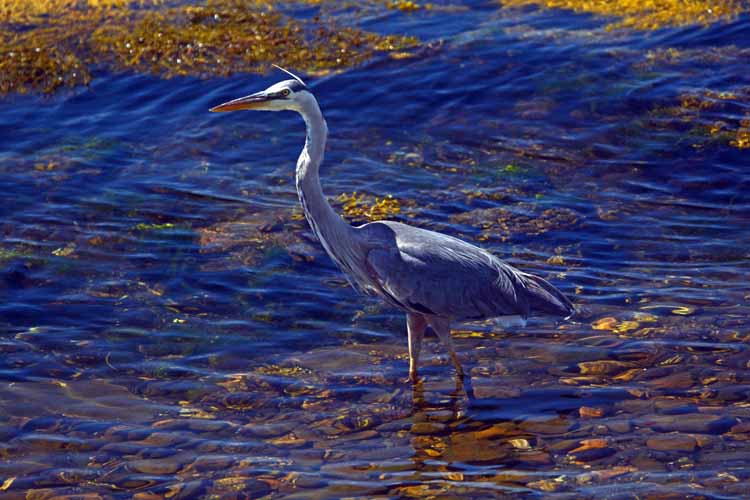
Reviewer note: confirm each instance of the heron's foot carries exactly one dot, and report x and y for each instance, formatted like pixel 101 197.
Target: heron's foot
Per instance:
pixel 413 377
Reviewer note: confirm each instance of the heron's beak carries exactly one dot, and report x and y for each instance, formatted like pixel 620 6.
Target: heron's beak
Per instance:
pixel 253 101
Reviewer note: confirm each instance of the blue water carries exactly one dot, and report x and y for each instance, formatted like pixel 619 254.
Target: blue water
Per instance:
pixel 116 309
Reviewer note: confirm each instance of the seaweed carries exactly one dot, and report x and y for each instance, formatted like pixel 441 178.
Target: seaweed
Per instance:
pixel 50 45
pixel 652 15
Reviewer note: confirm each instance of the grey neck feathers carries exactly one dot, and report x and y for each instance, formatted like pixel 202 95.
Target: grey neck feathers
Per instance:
pixel 334 233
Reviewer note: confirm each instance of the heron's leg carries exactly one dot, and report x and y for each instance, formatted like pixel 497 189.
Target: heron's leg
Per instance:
pixel 442 328
pixel 415 327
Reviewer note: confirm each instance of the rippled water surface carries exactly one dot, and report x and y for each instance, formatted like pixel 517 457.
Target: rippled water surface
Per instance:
pixel 171 328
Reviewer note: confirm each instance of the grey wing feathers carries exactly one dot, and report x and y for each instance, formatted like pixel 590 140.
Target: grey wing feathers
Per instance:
pixel 437 274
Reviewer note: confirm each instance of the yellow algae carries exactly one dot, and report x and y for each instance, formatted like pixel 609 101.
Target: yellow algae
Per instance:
pixel 649 14
pixel 626 326
pixel 359 206
pixel 53 44
pixel 7 483
pixel 613 325
pixel 711 114
pixel 408 6
pixel 153 227
pixel 607 323
pixel 64 251
pixel 28 11
pixel 683 310
pixel 503 224
pixel 556 260
pixel 742 137
pixel 283 371
pixel 8 253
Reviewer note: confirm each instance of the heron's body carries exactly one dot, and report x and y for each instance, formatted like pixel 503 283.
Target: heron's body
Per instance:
pixel 433 277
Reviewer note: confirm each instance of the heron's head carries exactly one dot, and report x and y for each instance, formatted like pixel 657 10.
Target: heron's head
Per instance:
pixel 286 95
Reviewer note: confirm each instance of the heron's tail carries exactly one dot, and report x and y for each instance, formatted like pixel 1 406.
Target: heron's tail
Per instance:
pixel 543 297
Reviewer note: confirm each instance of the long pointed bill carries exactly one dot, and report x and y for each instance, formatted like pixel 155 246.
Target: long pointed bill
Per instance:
pixel 253 101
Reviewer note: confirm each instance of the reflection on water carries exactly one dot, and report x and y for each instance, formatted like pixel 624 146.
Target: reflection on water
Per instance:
pixel 170 327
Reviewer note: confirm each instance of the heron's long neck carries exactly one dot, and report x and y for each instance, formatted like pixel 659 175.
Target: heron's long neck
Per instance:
pixel 328 226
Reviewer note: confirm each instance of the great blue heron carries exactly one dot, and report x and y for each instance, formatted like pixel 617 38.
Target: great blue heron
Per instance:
pixel 436 279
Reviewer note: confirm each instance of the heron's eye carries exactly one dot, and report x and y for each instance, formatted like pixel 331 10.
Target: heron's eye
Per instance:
pixel 285 92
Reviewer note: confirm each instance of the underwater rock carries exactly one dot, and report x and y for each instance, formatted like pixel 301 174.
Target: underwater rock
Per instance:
pixel 672 442
pixel 698 423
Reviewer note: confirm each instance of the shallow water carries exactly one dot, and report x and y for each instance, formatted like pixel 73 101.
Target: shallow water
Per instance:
pixel 171 328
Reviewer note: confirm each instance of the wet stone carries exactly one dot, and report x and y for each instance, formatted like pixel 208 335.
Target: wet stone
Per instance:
pixel 564 445
pixel 521 443
pixel 672 442
pixel 647 463
pixel 732 394
pixel 675 407
pixel 465 448
pixel 444 416
pixel 741 428
pixel 590 412
pixel 164 439
pixel 127 433
pixel 47 423
pixel 39 494
pixel 547 485
pixel 78 496
pixel 122 448
pixel 620 426
pixel 309 457
pixel 385 453
pixel 358 436
pixel 347 471
pixel 310 481
pixel 512 478
pixel 604 474
pixel 590 444
pixel 534 457
pixel 290 440
pixel 135 481
pixel 679 380
pixel 159 452
pixel 726 459
pixel 499 429
pixel 271 430
pixel 333 361
pixel 427 428
pixel 249 487
pixel 154 466
pixel 187 390
pixel 212 462
pixel 182 491
pixel 394 426
pixel 592 454
pixel 551 426
pixel 145 495
pixel 699 423
pixel 193 424
pixel 240 400
pixel 603 367
pixel 76 476
pixel 492 390
pixel 56 442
